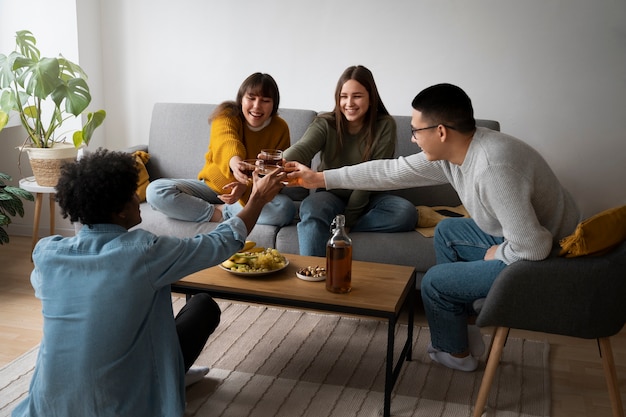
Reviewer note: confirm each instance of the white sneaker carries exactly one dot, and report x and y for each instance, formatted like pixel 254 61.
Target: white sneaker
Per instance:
pixel 195 374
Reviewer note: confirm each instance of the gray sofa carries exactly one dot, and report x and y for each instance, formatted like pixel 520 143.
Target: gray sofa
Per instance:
pixel 179 137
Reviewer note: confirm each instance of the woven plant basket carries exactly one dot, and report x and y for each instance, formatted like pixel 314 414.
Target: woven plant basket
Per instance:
pixel 47 162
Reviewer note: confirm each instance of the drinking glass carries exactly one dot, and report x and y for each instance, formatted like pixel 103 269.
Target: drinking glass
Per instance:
pixel 272 157
pixel 248 166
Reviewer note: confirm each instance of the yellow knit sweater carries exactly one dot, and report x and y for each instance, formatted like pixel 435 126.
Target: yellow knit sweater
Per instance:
pixel 230 137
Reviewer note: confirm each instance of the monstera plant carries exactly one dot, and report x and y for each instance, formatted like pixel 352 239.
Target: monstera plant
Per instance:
pixel 44 93
pixel 28 81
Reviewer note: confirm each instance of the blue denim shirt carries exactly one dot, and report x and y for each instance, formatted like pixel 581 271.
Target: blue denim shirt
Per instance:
pixel 109 344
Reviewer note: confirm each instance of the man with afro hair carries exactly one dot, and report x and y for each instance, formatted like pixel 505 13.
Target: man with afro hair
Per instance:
pixel 111 345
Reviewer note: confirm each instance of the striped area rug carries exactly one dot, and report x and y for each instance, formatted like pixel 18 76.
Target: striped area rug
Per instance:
pixel 269 361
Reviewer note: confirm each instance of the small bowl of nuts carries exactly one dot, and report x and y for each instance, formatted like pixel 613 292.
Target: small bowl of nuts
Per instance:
pixel 312 273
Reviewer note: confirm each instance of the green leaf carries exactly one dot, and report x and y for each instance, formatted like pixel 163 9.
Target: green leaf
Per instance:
pixel 26 43
pixel 93 121
pixel 10 206
pixel 30 111
pixel 10 199
pixel 70 70
pixel 19 207
pixel 4 236
pixel 7 101
pixel 6 69
pixel 39 78
pixel 23 98
pixel 4 119
pixel 76 95
pixel 20 192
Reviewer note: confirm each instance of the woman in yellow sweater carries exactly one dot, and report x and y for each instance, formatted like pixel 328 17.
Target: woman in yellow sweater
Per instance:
pixel 239 130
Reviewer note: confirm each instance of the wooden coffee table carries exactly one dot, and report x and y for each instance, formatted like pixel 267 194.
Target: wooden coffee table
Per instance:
pixel 378 290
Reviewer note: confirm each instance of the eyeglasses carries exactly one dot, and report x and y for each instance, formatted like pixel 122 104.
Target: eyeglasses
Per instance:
pixel 414 131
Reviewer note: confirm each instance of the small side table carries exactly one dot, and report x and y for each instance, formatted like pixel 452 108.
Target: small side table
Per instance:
pixel 29 184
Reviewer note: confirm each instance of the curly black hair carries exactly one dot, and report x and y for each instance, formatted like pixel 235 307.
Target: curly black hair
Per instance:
pixel 97 186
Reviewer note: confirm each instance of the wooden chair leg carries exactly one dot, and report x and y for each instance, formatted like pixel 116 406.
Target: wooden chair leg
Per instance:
pixel 495 354
pixel 611 376
pixel 493 336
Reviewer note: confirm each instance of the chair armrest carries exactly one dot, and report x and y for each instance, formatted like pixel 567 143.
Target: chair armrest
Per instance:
pixel 581 297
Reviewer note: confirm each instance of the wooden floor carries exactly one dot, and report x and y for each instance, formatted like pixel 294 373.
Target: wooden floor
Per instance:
pixel 577 378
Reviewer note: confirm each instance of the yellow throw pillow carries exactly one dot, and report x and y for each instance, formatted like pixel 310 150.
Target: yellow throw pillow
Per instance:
pixel 596 234
pixel 141 159
pixel 428 217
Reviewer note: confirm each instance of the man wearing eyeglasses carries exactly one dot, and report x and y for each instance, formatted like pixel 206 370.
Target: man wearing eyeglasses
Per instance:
pixel 518 210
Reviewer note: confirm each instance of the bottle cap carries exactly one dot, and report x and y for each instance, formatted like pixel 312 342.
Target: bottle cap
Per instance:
pixel 338 221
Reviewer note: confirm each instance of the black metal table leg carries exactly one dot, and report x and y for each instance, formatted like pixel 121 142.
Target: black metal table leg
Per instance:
pixel 389 379
pixel 392 370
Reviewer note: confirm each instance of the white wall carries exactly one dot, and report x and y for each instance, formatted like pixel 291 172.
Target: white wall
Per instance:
pixel 553 72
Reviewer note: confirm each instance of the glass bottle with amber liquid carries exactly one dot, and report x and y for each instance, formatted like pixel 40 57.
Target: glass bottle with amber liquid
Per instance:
pixel 339 258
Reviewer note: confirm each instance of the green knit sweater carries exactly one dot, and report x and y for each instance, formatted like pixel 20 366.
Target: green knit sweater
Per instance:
pixel 322 137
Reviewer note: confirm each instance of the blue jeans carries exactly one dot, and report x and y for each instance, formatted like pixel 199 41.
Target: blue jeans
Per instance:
pixel 384 213
pixel 194 201
pixel 460 277
pixel 278 212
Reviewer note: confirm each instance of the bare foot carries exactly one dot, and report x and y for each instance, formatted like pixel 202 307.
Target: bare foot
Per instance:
pixel 217 213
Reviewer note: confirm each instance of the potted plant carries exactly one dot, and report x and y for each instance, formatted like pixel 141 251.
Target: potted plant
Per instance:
pixel 10 205
pixel 44 93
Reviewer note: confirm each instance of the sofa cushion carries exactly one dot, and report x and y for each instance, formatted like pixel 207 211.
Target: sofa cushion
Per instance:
pixel 597 234
pixel 179 138
pixel 298 121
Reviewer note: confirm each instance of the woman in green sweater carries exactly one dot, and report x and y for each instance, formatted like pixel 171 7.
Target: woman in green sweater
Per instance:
pixel 239 130
pixel 358 129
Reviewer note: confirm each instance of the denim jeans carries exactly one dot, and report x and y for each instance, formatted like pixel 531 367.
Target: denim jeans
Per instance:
pixel 278 212
pixel 384 213
pixel 182 199
pixel 194 201
pixel 460 277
